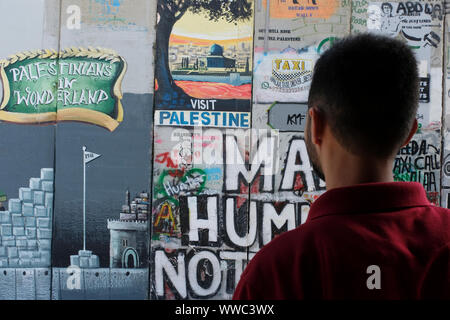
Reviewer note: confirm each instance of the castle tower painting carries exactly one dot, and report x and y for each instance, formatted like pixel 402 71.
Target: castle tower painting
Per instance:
pixel 129 237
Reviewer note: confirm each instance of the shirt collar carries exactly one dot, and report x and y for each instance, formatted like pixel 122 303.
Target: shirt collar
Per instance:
pixel 369 198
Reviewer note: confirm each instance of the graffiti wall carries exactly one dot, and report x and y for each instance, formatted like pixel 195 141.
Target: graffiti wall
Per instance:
pixel 151 147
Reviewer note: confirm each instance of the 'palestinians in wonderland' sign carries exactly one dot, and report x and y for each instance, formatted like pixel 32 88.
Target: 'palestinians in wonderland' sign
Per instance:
pixel 75 84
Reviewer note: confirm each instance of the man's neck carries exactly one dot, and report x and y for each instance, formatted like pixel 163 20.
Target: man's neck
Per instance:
pixel 348 170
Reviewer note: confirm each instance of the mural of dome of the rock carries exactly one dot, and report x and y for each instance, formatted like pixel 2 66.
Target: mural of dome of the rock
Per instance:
pixel 130 167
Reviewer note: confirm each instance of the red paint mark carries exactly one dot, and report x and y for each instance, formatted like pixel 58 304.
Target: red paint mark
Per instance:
pixel 169 295
pixel 255 184
pixel 169 250
pixel 298 185
pixel 165 158
pixel 240 200
pixel 279 205
pixel 176 173
pixel 243 189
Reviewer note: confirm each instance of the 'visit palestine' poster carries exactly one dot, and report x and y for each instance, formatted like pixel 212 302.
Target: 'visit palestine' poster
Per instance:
pixel 204 59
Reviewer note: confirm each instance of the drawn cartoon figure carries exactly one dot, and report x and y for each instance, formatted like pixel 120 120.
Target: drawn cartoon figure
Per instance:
pixel 185 155
pixel 390 24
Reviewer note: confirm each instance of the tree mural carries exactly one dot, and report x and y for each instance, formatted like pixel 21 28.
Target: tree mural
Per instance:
pixel 171 11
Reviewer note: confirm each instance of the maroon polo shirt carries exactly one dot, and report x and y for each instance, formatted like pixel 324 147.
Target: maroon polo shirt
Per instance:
pixel 368 241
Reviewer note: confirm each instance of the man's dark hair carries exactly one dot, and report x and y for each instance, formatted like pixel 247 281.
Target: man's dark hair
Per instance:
pixel 367 88
pixel 387 4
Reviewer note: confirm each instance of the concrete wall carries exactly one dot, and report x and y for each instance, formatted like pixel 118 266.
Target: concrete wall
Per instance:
pixel 224 220
pixel 189 132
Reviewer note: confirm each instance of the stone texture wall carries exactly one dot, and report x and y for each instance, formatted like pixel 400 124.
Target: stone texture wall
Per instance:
pixel 26 227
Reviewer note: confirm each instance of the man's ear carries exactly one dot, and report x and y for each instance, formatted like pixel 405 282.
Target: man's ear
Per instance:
pixel 317 123
pixel 411 133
